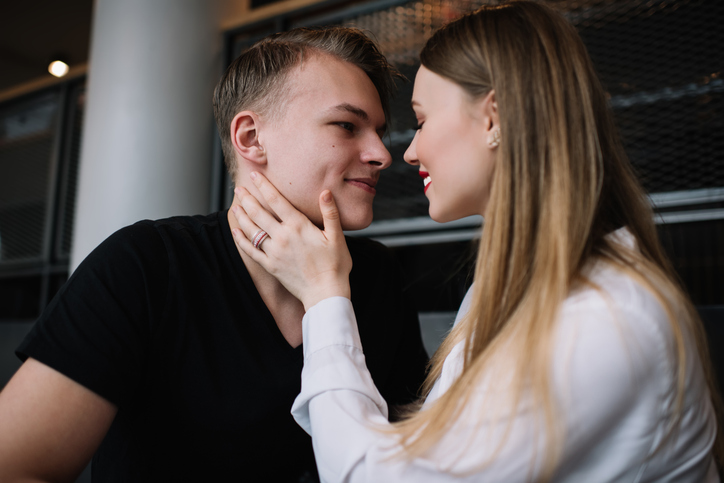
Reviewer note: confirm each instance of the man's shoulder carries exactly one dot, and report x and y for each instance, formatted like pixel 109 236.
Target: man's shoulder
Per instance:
pixel 150 233
pixel 189 224
pixel 147 242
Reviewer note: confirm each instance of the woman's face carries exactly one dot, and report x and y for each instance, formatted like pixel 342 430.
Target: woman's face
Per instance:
pixel 451 146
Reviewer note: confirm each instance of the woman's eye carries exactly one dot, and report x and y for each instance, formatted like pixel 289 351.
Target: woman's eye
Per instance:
pixel 419 126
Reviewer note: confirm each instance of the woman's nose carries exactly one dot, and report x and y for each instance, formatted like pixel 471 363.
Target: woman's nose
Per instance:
pixel 410 155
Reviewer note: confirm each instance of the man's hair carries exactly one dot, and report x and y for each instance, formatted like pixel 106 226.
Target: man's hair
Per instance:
pixel 257 79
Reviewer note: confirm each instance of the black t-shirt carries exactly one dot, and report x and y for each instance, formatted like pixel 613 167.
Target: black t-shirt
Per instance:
pixel 163 320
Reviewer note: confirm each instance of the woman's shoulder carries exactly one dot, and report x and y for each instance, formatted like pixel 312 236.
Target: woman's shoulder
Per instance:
pixel 615 366
pixel 610 293
pixel 615 351
pixel 620 306
pixel 614 290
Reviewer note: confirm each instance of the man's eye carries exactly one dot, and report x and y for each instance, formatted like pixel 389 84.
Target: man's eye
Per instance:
pixel 347 126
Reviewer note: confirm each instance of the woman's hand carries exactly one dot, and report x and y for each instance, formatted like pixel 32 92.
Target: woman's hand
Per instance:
pixel 312 264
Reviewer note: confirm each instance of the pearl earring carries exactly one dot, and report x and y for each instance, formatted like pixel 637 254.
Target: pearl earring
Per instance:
pixel 495 142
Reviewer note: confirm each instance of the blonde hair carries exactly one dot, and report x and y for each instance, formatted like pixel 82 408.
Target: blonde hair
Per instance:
pixel 562 182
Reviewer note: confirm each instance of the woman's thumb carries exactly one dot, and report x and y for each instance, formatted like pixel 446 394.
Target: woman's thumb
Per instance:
pixel 330 215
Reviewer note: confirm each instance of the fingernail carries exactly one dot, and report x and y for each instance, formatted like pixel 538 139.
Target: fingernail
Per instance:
pixel 253 175
pixel 327 197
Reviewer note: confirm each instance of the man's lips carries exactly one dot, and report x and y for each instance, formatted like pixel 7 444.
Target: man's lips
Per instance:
pixel 426 179
pixel 366 184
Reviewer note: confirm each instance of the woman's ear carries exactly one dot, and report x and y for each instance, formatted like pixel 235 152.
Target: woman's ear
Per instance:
pixel 245 137
pixel 489 109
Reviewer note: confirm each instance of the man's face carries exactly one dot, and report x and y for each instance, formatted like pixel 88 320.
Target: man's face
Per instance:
pixel 327 135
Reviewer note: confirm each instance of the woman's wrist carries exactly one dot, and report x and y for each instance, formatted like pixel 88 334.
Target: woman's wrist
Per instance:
pixel 319 293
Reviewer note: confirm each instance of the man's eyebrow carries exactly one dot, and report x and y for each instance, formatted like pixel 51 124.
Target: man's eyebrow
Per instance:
pixel 360 113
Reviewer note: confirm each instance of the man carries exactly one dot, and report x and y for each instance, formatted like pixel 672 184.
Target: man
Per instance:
pixel 172 358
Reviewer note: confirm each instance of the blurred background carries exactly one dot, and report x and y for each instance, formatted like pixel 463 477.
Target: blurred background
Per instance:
pixel 127 132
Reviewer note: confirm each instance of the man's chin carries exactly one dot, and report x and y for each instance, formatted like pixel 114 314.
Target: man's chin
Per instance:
pixel 351 220
pixel 354 223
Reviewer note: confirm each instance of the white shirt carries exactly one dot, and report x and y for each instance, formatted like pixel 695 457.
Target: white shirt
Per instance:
pixel 613 377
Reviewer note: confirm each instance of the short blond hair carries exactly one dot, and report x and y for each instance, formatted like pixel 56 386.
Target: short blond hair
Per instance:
pixel 257 79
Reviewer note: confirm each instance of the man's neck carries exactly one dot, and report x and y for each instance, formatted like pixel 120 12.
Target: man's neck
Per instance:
pixel 286 309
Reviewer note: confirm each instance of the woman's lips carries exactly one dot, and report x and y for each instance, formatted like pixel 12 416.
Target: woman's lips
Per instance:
pixel 426 179
pixel 366 184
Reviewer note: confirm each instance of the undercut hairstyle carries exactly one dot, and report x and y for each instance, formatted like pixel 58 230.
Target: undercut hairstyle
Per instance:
pixel 257 79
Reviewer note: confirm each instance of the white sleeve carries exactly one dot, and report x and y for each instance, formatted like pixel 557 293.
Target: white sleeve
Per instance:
pixel 610 377
pixel 341 409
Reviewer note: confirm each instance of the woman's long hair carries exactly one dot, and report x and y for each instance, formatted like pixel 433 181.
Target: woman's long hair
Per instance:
pixel 562 182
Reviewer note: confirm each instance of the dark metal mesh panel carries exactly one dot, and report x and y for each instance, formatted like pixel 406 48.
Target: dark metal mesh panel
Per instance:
pixel 676 144
pixel 662 61
pixel 27 136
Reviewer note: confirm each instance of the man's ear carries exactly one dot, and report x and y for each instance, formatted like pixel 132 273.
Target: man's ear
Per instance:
pixel 245 137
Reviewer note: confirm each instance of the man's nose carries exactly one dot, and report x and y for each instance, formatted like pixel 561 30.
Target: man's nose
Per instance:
pixel 378 155
pixel 410 155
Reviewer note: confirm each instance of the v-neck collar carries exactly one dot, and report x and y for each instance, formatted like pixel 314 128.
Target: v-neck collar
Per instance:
pixel 245 278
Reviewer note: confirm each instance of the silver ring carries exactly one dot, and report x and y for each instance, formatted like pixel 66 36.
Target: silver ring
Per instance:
pixel 259 238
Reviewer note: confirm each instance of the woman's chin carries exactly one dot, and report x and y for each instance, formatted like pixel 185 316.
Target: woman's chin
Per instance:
pixel 440 217
pixel 446 216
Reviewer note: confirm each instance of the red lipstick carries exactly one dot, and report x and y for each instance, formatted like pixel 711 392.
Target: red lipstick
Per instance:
pixel 426 177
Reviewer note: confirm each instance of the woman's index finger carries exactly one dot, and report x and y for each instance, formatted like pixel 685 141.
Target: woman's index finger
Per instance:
pixel 276 200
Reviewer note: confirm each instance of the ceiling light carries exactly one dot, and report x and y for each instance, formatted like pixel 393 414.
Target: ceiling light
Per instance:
pixel 58 68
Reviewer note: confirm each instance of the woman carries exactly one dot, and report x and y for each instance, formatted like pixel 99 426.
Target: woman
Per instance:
pixel 575 356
